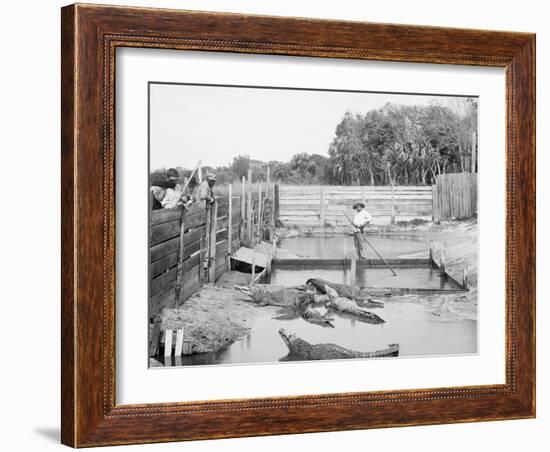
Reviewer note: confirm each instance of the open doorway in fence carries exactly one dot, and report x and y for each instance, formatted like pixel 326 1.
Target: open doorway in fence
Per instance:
pixel 291 224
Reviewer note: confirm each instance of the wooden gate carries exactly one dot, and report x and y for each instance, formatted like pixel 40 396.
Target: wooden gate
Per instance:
pixel 454 196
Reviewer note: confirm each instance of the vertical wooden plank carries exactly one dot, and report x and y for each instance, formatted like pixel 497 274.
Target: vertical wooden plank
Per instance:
pixel 212 253
pixel 253 272
pixel 208 235
pixel 272 225
pixel 154 340
pixel 168 343
pixel 230 221
pixel 392 217
pixel 474 152
pixel 179 342
pixel 242 225
pixel 434 204
pixel 276 201
pixel 180 273
pixel 249 208
pixel 322 206
pixel 260 217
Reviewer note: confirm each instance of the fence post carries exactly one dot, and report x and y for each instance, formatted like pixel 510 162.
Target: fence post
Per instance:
pixel 206 262
pixel 230 225
pixel 474 152
pixel 253 270
pixel 249 208
pixel 465 276
pixel 392 218
pixel 243 211
pixel 259 212
pixel 168 343
pixel 212 254
pixel 179 276
pixel 276 201
pixel 435 216
pixel 322 206
pixel 272 219
pixel 442 261
pixel 352 271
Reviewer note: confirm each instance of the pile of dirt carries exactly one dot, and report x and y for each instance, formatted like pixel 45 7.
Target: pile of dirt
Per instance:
pixel 213 318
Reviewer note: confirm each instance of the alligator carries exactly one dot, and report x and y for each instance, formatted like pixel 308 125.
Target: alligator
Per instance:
pixel 347 306
pixel 286 297
pixel 351 292
pixel 300 350
pixel 313 316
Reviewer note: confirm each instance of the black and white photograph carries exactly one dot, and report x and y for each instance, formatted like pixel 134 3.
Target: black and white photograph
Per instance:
pixel 292 224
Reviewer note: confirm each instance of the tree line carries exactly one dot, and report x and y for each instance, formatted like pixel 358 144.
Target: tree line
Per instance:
pixel 395 144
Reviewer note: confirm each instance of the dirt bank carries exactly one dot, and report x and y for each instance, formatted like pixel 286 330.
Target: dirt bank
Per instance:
pixel 459 239
pixel 212 318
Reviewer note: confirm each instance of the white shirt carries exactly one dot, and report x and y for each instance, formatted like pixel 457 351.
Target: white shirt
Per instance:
pixel 171 197
pixel 361 218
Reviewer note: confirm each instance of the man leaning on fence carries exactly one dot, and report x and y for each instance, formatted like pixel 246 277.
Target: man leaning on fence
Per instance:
pixel 168 193
pixel 205 192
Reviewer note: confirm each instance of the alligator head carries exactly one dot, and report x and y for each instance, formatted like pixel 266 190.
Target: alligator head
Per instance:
pixel 288 338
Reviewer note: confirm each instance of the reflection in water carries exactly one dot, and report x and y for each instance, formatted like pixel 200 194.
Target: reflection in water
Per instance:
pixel 366 277
pixel 418 331
pixel 391 247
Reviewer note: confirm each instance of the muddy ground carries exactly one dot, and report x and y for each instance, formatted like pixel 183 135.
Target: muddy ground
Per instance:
pixel 212 318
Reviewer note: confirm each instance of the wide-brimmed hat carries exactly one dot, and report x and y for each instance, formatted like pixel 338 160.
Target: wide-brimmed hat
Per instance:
pixel 358 204
pixel 211 176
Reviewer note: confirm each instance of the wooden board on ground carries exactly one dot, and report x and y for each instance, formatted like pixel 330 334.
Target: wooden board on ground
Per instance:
pixel 248 256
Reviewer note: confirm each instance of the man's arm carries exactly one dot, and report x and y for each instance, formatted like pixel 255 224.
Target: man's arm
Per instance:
pixel 204 193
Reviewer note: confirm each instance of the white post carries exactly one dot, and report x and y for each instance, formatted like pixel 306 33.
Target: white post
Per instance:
pixel 353 271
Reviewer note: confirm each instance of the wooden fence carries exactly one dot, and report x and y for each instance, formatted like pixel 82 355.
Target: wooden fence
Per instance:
pixel 326 205
pixel 182 256
pixel 454 196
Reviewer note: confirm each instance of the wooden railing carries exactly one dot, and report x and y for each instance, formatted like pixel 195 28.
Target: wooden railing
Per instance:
pixel 326 205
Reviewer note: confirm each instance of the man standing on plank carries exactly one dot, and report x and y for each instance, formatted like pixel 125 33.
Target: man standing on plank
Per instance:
pixel 360 220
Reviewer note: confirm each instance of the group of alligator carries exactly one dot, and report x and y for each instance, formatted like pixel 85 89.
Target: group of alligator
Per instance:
pixel 304 299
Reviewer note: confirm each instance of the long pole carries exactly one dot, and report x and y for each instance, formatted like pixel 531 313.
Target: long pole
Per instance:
pixel 373 248
pixel 189 180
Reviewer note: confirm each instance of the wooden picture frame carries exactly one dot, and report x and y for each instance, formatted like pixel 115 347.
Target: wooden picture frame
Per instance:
pixel 90 36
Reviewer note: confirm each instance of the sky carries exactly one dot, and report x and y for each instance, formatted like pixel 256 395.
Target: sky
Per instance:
pixel 213 124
